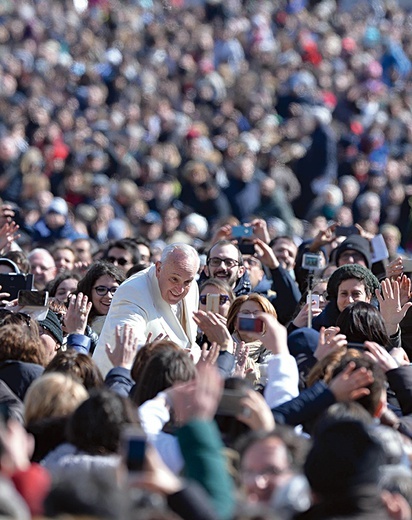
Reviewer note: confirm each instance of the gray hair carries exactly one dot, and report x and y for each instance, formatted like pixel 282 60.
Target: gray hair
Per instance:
pixel 185 250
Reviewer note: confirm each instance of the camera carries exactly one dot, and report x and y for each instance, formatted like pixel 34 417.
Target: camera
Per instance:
pixel 250 324
pixel 242 231
pixel 311 261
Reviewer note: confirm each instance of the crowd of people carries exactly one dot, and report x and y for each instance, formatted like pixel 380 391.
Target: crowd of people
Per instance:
pixel 214 196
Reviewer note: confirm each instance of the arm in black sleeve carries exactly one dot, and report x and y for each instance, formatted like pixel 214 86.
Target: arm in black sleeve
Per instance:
pixel 287 294
pixel 191 502
pixel 119 380
pixel 306 406
pixel 400 382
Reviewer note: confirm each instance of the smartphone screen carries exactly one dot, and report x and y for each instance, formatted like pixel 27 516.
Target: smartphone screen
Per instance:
pixel 242 231
pixel 33 298
pixel 212 303
pixel 133 448
pixel 250 324
pixel 230 403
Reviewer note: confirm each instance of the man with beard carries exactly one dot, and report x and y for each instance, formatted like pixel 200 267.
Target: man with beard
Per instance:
pixel 224 261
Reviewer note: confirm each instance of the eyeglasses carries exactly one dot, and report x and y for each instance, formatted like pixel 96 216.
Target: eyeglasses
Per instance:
pixel 251 261
pixel 102 290
pixel 217 262
pixel 223 298
pixel 121 261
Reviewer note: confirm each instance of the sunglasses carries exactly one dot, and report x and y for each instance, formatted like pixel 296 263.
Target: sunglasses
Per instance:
pixel 102 290
pixel 223 298
pixel 121 261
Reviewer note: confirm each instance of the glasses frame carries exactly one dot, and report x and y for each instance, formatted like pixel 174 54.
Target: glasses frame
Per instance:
pixel 110 290
pixel 230 263
pixel 121 261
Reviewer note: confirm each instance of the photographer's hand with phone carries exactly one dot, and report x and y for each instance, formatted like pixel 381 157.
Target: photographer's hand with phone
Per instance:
pixel 265 254
pixel 75 320
pixel 274 335
pixel 301 319
pixel 323 238
pixel 260 230
pixel 329 341
pixel 256 413
pixel 4 298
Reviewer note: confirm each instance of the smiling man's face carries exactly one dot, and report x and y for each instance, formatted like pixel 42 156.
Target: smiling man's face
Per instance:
pixel 175 276
pixel 221 255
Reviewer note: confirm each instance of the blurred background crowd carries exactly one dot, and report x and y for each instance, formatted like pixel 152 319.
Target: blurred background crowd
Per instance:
pixel 157 118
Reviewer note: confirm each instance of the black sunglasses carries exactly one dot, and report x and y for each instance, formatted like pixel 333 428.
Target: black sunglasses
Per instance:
pixel 223 298
pixel 120 261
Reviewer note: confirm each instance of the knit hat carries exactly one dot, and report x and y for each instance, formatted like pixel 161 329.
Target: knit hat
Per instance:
pixel 53 325
pixel 348 271
pixel 343 456
pixel 355 243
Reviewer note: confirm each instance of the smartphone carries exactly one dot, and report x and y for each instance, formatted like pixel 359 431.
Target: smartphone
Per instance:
pixel 247 249
pixel 13 283
pixel 133 448
pixel 345 231
pixel 356 346
pixel 242 231
pixel 33 298
pixel 230 403
pixel 212 303
pixel 250 324
pixel 407 265
pixel 315 300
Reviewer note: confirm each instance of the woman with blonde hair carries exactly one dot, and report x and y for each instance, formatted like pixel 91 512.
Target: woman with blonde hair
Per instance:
pixel 49 401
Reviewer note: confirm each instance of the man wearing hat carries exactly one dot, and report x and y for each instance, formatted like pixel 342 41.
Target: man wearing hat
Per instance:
pixel 51 334
pixel 354 250
pixel 54 225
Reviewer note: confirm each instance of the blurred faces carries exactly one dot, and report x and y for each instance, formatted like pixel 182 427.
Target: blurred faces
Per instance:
pixel 350 256
pixel 175 276
pixel 254 268
pixel 264 468
pixel 350 291
pixel 65 288
pixel 64 260
pixel 43 268
pixel 82 248
pixel 101 303
pixel 121 258
pixel 223 263
pixel 285 251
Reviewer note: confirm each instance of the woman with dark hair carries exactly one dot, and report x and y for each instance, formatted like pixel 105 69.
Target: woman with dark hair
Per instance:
pixel 99 284
pixel 361 322
pixel 164 368
pixel 63 285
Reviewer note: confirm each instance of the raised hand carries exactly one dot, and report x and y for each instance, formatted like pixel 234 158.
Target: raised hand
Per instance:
pixel 390 305
pixel 125 349
pixel 75 320
pixel 329 341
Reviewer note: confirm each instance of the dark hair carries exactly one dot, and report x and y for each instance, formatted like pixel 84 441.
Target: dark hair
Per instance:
pixel 162 370
pixel 28 324
pixel 127 245
pixel 361 321
pixel 20 259
pixel 226 243
pixel 144 354
pixel 80 366
pixel 369 402
pixel 96 270
pixel 53 285
pixel 96 425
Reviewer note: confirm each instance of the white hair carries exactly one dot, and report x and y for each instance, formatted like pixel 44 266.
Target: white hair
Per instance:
pixel 185 250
